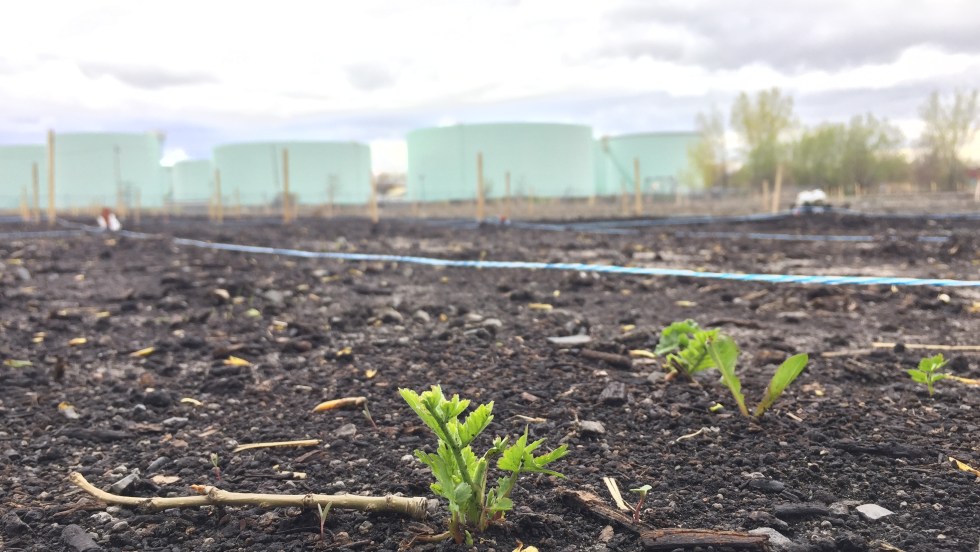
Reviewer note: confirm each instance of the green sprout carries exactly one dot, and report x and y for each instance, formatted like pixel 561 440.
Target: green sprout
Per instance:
pixel 642 491
pixel 461 476
pixel 724 354
pixel 928 371
pixel 685 346
pixel 321 512
pixel 215 466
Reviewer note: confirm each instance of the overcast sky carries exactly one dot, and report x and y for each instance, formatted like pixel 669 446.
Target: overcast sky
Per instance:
pixel 213 71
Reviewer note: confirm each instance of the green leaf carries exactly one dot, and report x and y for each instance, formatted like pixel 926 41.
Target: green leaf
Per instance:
pixel 931 364
pixel 421 405
pixel 918 376
pixel 724 353
pixel 642 490
pixel 675 336
pixel 14 363
pixel 550 457
pixel 475 423
pixel 788 371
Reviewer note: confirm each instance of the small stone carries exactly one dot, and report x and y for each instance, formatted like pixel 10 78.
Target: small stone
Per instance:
pixel 13 525
pixel 472 318
pixel 767 485
pixel 570 340
pixel 588 427
pixel 527 397
pixel 422 316
pixel 157 464
pixel 101 518
pixel 492 323
pixel 841 507
pixel 123 485
pixel 606 534
pixel 389 315
pixel 119 527
pixel 408 458
pixel 175 422
pixel 22 273
pixel 365 527
pixel 345 431
pixel 873 512
pixel 275 297
pixel 777 540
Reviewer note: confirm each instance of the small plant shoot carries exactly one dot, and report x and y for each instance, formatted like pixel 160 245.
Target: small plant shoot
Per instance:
pixel 461 476
pixel 642 491
pixel 724 353
pixel 685 346
pixel 321 512
pixel 928 372
pixel 215 465
pixel 788 371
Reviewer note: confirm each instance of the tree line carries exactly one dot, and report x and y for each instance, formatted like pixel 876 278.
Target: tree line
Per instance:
pixel 838 157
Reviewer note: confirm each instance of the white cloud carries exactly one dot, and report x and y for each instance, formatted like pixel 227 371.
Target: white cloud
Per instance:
pixel 374 69
pixel 172 156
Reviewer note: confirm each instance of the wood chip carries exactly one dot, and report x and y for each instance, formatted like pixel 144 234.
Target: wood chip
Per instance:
pixel 617 361
pixel 302 443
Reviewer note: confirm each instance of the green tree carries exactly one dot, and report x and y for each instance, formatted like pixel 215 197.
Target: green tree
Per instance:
pixel 948 127
pixel 763 123
pixel 706 157
pixel 864 152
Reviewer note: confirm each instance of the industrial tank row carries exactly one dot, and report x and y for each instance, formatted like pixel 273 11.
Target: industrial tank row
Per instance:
pixel 517 159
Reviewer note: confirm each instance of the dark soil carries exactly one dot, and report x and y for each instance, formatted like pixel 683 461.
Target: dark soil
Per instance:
pixel 853 429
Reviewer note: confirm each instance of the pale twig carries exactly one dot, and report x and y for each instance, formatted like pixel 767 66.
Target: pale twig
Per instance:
pixel 414 507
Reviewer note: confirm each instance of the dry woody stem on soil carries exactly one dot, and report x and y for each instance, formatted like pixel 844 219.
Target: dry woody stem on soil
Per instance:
pixel 413 507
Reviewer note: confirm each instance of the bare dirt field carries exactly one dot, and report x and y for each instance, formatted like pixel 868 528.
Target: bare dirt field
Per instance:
pixel 853 430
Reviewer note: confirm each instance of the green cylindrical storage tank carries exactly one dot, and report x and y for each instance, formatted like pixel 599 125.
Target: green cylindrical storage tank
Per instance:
pixel 192 181
pixel 17 175
pixel 542 159
pixel 319 172
pixel 662 155
pixel 91 169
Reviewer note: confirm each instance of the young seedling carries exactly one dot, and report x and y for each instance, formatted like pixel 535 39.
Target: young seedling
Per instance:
pixel 724 353
pixel 642 491
pixel 928 372
pixel 321 512
pixel 685 346
pixel 215 467
pixel 461 476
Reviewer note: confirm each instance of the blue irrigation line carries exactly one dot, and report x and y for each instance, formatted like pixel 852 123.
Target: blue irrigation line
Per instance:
pixel 582 267
pixel 40 234
pixel 803 237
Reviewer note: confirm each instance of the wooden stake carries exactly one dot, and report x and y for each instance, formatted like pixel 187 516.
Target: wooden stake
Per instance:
pixel 52 211
pixel 286 216
pixel 637 196
pixel 777 188
pixel 219 209
pixel 24 207
pixel 36 190
pixel 373 205
pixel 507 195
pixel 479 188
pixel 765 195
pixel 137 205
pixel 120 198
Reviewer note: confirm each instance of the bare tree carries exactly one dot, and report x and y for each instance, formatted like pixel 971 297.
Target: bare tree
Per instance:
pixel 948 127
